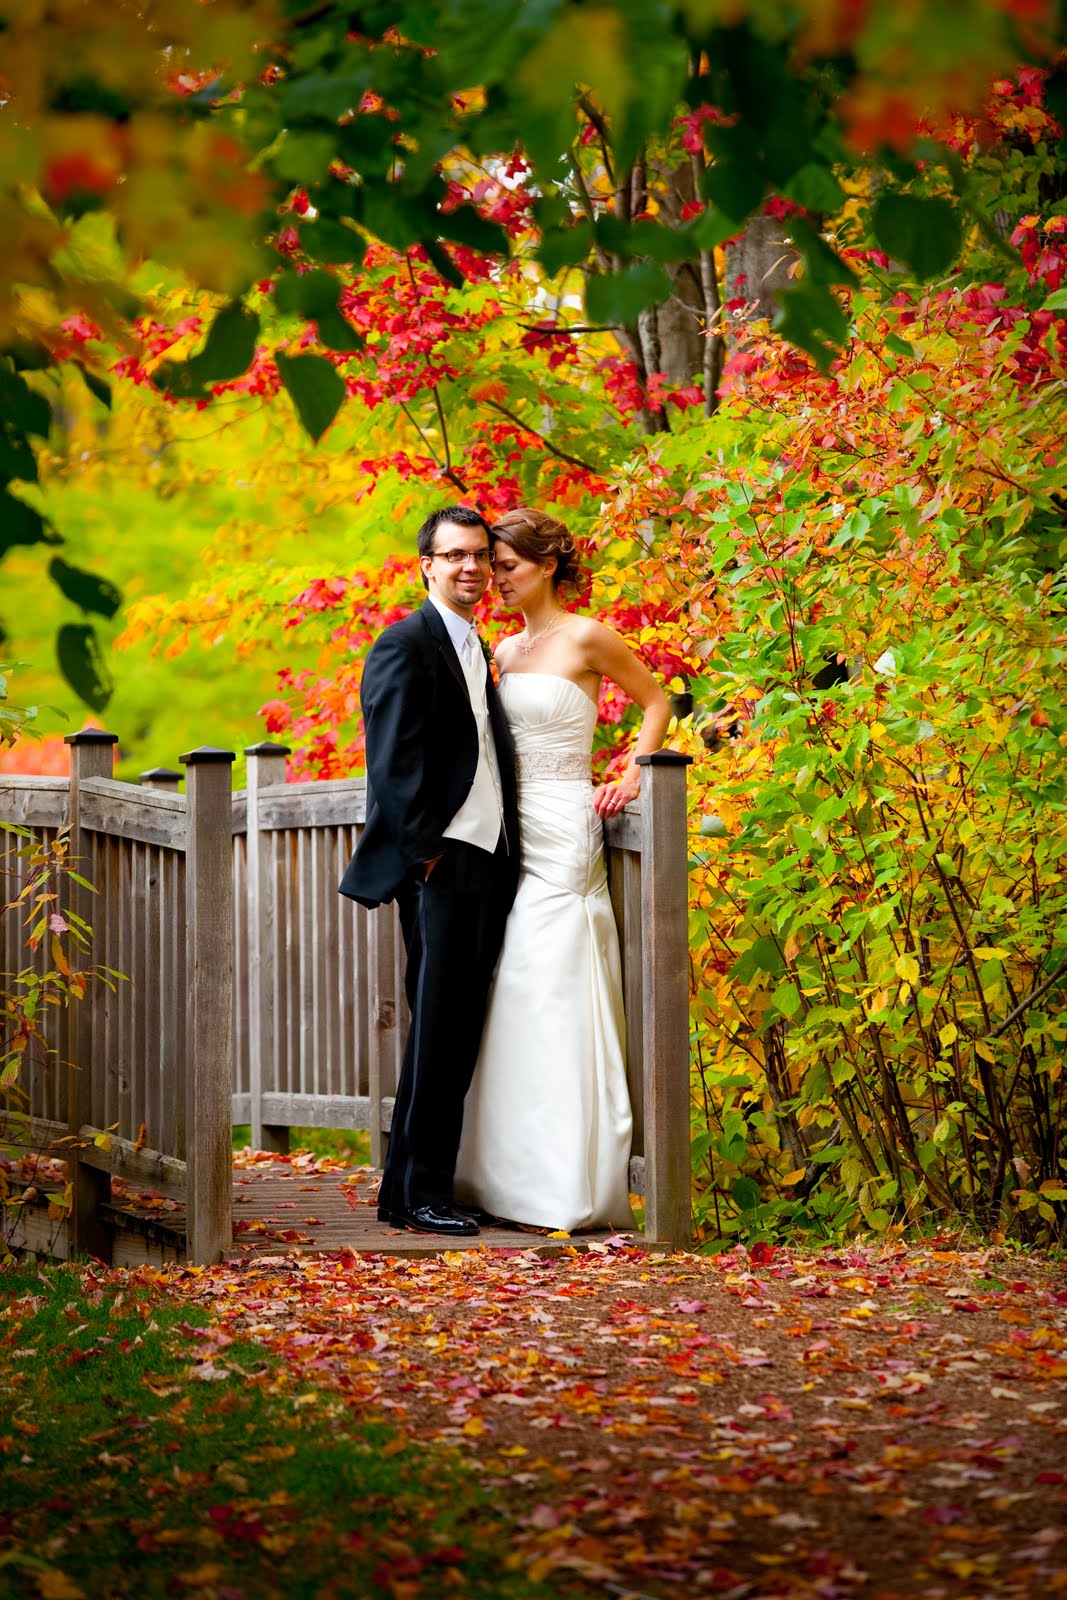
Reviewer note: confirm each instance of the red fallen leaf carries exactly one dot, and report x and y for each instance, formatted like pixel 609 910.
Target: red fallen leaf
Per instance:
pixel 233 1524
pixel 760 1254
pixel 1050 1477
pixel 690 1307
pixel 966 1305
pixel 942 1516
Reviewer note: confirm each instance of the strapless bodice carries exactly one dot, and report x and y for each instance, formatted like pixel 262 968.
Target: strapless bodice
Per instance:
pixel 551 722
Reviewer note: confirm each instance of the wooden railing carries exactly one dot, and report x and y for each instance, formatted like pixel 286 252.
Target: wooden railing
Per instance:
pixel 255 993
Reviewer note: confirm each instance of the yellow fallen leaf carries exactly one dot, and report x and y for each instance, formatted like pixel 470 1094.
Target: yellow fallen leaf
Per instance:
pixel 473 1427
pixel 560 1233
pixel 55 1585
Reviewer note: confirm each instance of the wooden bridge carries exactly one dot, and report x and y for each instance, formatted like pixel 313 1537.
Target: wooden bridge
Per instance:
pixel 256 994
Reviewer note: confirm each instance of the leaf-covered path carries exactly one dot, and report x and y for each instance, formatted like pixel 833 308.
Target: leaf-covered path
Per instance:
pixel 866 1422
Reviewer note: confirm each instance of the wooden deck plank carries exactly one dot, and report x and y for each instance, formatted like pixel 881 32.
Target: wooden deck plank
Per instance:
pixel 278 1210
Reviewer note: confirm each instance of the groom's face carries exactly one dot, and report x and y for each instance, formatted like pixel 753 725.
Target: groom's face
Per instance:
pixel 460 583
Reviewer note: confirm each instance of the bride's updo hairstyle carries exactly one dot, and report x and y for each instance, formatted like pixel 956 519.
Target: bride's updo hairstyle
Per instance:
pixel 536 536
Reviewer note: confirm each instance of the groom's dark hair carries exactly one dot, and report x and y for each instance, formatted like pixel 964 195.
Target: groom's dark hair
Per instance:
pixel 463 516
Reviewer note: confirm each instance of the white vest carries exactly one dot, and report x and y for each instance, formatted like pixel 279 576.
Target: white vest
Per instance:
pixel 480 818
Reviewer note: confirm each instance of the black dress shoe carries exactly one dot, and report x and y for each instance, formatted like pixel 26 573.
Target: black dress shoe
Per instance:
pixel 432 1219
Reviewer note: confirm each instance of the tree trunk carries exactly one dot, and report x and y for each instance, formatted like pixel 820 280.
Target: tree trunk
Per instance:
pixel 757 268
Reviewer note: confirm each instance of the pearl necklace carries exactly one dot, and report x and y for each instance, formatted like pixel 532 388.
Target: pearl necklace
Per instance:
pixel 526 645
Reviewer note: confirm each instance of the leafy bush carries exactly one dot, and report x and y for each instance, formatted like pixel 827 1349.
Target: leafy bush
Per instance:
pixel 875 583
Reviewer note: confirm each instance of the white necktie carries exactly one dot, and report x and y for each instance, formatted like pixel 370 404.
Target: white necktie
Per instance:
pixel 470 646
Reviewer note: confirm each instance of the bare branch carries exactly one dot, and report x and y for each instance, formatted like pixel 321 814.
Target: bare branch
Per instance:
pixel 553 450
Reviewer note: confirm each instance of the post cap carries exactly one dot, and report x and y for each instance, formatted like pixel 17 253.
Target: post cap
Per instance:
pixel 91 736
pixel 162 772
pixel 268 749
pixel 665 758
pixel 206 755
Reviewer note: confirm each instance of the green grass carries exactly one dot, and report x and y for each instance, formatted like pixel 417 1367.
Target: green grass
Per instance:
pixel 124 1475
pixel 347 1144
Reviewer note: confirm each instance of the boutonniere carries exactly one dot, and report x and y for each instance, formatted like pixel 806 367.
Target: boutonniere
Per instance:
pixel 489 661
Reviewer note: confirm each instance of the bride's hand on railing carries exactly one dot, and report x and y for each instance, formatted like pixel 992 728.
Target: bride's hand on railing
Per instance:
pixel 609 798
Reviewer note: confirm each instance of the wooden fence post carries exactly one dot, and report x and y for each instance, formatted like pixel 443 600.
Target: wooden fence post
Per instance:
pixel 165 778
pixel 209 967
pixel 665 980
pixel 266 764
pixel 91 756
pixel 381 956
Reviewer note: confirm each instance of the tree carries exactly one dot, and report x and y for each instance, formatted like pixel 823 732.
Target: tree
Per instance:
pixel 190 126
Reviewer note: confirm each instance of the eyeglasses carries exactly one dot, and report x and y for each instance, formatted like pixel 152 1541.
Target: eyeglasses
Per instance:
pixel 459 558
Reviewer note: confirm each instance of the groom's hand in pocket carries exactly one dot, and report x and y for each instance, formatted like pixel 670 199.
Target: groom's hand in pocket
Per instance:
pixel 428 866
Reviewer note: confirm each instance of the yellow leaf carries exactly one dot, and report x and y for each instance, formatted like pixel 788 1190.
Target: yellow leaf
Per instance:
pixel 58 956
pixel 560 1233
pixel 949 1033
pixel 984 1050
pixel 907 969
pixel 103 1141
pixel 53 1585
pixel 794 1177
pixel 473 1426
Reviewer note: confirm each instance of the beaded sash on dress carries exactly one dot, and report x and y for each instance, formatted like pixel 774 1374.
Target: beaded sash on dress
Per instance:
pixel 553 764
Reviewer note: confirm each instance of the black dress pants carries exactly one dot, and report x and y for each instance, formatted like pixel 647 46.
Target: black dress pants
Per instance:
pixel 453 928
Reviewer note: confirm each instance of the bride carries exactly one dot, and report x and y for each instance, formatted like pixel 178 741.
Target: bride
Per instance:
pixel 546 1122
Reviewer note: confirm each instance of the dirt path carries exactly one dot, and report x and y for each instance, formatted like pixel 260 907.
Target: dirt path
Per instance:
pixel 859 1423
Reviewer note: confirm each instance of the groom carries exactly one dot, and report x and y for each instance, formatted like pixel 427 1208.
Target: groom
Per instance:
pixel 441 839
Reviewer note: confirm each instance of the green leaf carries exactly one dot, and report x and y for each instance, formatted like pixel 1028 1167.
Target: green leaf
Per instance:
pixel 304 157
pixel 230 346
pixel 811 318
pixel 85 588
pixel 763 955
pixel 307 294
pixel 81 662
pixel 95 385
pixel 815 188
pixel 659 243
pixel 564 247
pixel 442 262
pixel 736 187
pixel 17 459
pixel 20 524
pixel 325 97
pixel 899 347
pixel 337 333
pixel 621 297
pixel 711 229
pixel 23 406
pixel 465 226
pixel 331 242
pixel 924 233
pixel 746 1194
pixel 824 265
pixel 316 388
pixel 1057 301
pixel 315 295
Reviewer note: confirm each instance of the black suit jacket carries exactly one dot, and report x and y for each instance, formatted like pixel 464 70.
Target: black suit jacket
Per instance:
pixel 422 754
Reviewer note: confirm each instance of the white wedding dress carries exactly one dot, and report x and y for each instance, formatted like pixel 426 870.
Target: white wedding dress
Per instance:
pixel 546 1121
